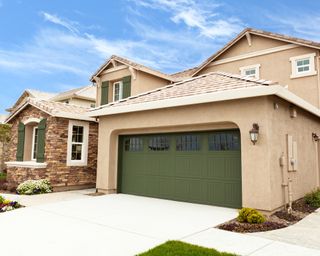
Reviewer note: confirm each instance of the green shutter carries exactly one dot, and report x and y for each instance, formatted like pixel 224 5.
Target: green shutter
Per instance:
pixel 126 86
pixel 41 140
pixel 20 146
pixel 104 92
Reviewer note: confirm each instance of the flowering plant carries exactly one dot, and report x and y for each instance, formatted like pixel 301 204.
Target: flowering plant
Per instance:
pixel 31 187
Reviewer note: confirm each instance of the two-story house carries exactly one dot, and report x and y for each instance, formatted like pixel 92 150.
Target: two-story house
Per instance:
pixel 239 130
pixel 52 137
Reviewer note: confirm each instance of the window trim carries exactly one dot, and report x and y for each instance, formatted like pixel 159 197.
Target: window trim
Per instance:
pixel 294 67
pixel 33 142
pixel 120 90
pixel 84 153
pixel 255 66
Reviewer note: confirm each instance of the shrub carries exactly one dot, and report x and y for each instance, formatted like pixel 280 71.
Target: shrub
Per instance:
pixel 31 187
pixel 313 198
pixel 2 199
pixel 250 215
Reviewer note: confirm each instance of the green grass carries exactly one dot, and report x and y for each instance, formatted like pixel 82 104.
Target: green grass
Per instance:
pixel 176 248
pixel 3 176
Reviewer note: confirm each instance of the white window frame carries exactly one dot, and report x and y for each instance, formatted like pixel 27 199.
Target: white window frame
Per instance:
pixel 294 67
pixel 33 141
pixel 84 152
pixel 256 67
pixel 120 90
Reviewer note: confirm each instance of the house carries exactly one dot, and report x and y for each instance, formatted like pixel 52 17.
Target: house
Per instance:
pixel 52 137
pixel 221 133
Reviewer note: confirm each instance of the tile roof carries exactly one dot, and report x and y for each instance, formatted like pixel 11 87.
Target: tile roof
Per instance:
pixel 253 31
pixel 207 83
pixel 40 94
pixel 86 92
pixel 53 108
pixel 131 64
pixel 181 75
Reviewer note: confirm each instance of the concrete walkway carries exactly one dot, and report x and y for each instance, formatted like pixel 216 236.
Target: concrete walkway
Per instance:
pixel 50 197
pixel 305 233
pixel 126 225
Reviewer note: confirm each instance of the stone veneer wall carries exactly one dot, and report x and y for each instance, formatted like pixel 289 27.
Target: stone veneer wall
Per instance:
pixel 59 174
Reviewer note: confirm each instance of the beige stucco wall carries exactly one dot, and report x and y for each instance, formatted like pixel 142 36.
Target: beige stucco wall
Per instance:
pixel 257 43
pixel 261 172
pixel 306 178
pixel 274 66
pixel 142 83
pixel 81 102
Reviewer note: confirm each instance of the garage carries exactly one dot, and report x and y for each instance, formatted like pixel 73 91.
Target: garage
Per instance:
pixel 197 167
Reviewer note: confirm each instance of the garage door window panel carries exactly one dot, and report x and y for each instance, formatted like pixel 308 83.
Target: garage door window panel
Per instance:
pixel 223 141
pixel 188 142
pixel 159 143
pixel 133 144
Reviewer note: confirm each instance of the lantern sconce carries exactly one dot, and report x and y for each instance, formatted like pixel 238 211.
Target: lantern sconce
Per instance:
pixel 315 137
pixel 254 133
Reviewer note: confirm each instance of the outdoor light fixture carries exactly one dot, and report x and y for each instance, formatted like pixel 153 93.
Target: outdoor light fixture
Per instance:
pixel 315 137
pixel 254 132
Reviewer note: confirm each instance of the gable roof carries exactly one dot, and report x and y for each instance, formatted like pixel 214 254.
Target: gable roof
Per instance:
pixel 56 109
pixel 281 37
pixel 132 64
pixel 86 92
pixel 30 93
pixel 210 87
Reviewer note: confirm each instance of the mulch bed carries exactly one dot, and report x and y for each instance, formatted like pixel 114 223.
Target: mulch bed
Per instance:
pixel 280 219
pixel 96 194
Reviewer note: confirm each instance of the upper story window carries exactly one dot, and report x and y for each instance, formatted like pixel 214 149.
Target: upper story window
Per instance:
pixel 78 137
pixel 251 71
pixel 117 91
pixel 303 65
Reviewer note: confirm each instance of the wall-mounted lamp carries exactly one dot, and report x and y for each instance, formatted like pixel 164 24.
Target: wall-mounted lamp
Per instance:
pixel 254 133
pixel 315 137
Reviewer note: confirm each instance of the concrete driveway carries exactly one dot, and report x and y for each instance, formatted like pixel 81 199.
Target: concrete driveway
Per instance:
pixel 125 225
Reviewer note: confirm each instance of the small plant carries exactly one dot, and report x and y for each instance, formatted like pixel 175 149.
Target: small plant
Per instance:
pixel 3 175
pixel 8 205
pixel 313 198
pixel 31 187
pixel 250 215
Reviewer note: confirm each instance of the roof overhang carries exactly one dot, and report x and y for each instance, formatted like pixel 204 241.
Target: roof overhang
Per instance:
pixel 234 94
pixel 59 114
pixel 142 68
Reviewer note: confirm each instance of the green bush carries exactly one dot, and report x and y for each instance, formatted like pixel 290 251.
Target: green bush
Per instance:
pixel 313 198
pixel 250 215
pixel 31 187
pixel 3 176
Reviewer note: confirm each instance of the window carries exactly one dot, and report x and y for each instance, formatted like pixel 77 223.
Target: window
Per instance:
pixel 303 65
pixel 34 144
pixel 117 91
pixel 159 143
pixel 188 142
pixel 251 71
pixel 133 144
pixel 77 142
pixel 78 136
pixel 223 141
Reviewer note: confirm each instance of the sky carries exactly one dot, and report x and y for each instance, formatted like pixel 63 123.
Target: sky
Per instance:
pixel 57 45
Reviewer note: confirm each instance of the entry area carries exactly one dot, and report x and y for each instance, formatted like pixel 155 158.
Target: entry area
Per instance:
pixel 197 167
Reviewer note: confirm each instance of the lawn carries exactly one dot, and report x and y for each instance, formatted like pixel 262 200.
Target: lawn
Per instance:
pixel 176 248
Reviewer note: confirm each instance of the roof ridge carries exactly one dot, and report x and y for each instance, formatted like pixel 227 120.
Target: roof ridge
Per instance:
pixel 220 73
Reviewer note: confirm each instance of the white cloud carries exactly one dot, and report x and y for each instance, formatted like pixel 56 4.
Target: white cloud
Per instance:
pixel 203 16
pixel 59 21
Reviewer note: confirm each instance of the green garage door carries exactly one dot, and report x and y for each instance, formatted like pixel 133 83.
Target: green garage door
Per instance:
pixel 201 167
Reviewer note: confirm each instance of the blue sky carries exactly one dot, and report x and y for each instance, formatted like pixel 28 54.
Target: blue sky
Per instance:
pixel 56 45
